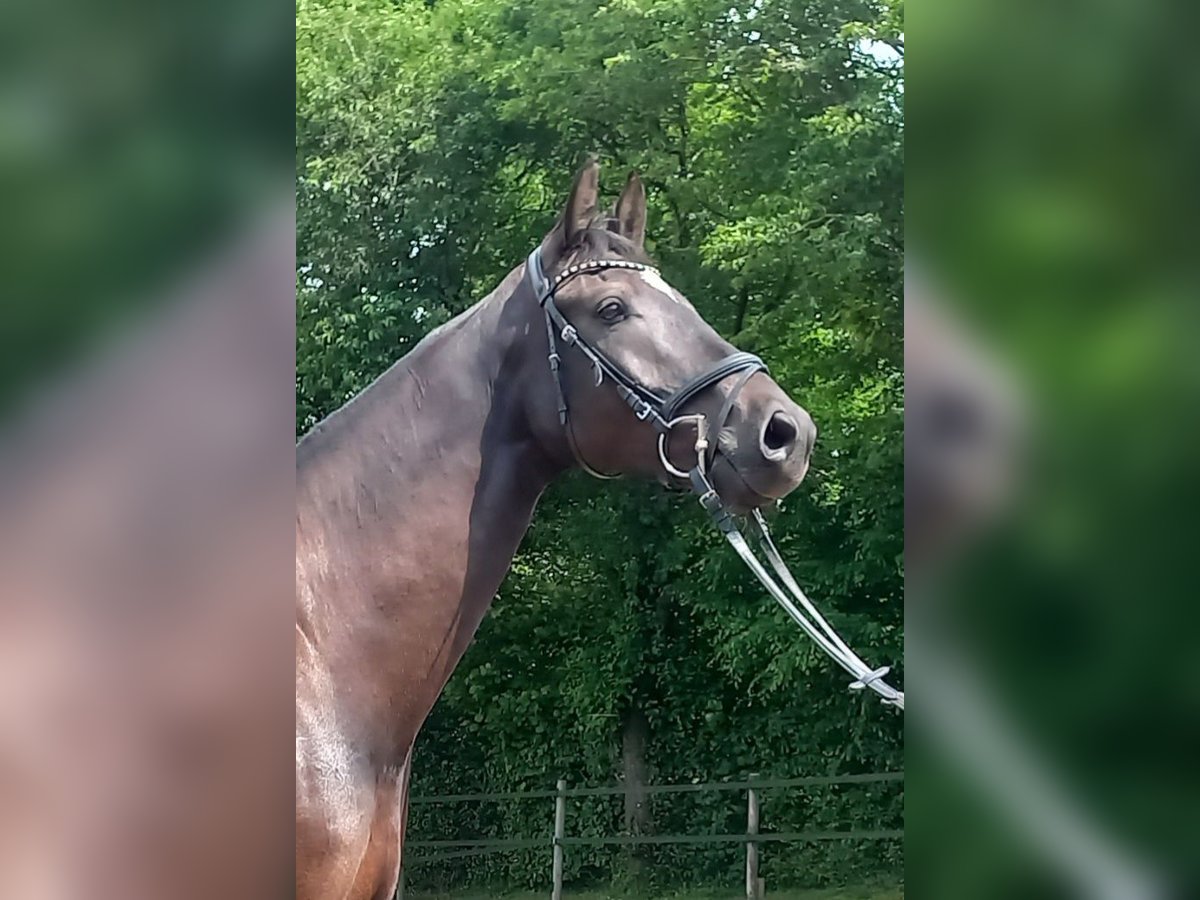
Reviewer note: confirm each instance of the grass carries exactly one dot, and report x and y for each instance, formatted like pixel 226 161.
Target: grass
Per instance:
pixel 859 893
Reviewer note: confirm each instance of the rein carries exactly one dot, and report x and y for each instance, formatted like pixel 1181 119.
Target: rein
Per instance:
pixel 662 413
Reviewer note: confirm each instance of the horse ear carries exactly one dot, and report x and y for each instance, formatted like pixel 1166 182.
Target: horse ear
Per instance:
pixel 581 207
pixel 631 210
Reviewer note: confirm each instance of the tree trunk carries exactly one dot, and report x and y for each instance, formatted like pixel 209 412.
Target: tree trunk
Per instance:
pixel 635 732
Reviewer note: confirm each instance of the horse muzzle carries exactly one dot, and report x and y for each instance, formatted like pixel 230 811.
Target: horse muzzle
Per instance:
pixel 766 449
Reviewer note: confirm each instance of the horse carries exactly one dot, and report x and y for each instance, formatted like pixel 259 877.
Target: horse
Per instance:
pixel 413 498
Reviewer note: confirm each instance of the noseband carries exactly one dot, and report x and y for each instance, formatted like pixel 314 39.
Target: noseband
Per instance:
pixel 663 414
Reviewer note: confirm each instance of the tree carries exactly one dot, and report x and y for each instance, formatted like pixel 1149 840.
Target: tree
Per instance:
pixel 435 142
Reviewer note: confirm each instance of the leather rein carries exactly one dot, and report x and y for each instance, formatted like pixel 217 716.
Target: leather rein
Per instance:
pixel 663 414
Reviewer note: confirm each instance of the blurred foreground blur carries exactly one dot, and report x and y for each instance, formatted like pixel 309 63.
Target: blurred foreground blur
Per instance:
pixel 133 139
pixel 146 675
pixel 146 451
pixel 1053 386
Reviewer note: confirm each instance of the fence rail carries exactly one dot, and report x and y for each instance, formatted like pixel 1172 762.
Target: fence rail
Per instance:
pixel 557 842
pixel 619 790
pixel 616 840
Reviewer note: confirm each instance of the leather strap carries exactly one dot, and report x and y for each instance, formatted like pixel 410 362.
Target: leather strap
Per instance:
pixel 735 362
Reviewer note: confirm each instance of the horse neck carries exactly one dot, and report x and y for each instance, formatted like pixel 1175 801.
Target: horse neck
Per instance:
pixel 413 501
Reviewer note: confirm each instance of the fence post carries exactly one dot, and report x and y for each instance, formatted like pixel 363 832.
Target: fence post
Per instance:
pixel 754 884
pixel 560 829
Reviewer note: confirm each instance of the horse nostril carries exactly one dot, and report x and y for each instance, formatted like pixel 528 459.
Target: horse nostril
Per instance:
pixel 779 435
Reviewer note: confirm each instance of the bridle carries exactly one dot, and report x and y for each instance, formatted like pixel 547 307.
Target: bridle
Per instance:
pixel 663 414
pixel 647 405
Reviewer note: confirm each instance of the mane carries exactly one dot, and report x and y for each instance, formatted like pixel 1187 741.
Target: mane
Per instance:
pixel 326 433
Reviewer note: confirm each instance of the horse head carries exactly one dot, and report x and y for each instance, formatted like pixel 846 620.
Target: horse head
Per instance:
pixel 642 385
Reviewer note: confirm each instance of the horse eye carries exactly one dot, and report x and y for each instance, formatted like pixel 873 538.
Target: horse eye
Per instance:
pixel 612 310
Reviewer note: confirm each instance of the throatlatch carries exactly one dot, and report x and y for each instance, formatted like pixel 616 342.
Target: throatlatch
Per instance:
pixel 662 413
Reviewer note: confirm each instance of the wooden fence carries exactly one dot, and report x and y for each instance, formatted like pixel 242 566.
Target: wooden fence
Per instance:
pixel 558 840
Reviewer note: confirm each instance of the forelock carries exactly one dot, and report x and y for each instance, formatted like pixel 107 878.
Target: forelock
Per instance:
pixel 598 242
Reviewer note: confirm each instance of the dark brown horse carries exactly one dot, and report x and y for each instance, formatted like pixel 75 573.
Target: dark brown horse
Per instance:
pixel 413 498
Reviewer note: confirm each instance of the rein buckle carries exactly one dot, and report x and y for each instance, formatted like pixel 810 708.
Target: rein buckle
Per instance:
pixel 866 680
pixel 710 500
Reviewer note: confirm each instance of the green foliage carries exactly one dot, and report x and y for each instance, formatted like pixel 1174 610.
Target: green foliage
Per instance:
pixel 857 892
pixel 435 145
